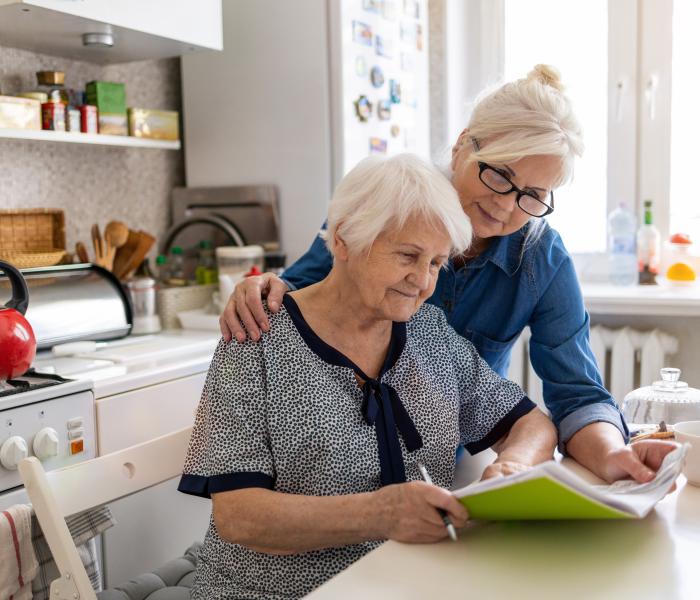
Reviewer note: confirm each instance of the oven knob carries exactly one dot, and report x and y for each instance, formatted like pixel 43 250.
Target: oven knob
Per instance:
pixel 46 443
pixel 12 452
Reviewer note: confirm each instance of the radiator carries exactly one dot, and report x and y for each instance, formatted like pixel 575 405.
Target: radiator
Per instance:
pixel 627 359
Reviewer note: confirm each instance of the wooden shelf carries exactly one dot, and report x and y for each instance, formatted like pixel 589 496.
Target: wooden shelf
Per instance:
pixel 71 137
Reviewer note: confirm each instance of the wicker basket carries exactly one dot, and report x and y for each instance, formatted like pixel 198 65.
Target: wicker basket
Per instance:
pixel 173 300
pixel 33 237
pixel 25 260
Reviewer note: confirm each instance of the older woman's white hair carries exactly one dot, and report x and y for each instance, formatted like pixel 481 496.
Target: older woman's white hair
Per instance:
pixel 381 194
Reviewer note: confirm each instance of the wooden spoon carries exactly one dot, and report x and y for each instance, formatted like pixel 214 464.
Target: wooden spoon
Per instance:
pixel 97 244
pixel 82 252
pixel 116 234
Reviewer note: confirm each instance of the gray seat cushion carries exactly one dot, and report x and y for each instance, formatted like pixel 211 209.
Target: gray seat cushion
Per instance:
pixel 172 581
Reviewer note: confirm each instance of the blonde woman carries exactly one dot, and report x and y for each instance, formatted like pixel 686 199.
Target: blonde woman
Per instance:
pixel 519 146
pixel 308 442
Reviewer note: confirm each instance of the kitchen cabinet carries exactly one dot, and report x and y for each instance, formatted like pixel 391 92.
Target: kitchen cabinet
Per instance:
pixel 142 29
pixel 159 523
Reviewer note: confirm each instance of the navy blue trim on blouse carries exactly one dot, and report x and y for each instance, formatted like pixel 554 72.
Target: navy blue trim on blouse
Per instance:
pixel 381 405
pixel 502 427
pixel 204 487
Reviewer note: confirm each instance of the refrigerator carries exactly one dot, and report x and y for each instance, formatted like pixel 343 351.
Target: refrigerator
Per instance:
pixel 301 92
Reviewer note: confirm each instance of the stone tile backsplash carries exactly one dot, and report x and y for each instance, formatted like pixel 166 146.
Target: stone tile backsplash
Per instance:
pixel 92 184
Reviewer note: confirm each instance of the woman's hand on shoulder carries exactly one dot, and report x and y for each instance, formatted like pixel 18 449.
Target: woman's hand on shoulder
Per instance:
pixel 409 512
pixel 245 305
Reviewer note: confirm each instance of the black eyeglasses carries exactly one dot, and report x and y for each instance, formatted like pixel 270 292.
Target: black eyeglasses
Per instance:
pixel 498 182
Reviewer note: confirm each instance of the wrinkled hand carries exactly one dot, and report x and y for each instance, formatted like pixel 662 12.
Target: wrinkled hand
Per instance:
pixel 640 461
pixel 410 514
pixel 245 304
pixel 503 468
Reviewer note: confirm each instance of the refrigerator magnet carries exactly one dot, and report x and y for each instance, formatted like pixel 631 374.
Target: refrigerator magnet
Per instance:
pixel 419 37
pixel 383 46
pixel 389 10
pixel 411 8
pixel 394 91
pixel 361 33
pixel 377 145
pixel 360 66
pixel 376 76
pixel 384 110
pixel 363 108
pixel 395 130
pixel 372 5
pixel 408 32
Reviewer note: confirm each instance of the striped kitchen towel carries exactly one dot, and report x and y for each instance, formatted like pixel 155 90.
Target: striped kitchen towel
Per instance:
pixel 84 528
pixel 18 564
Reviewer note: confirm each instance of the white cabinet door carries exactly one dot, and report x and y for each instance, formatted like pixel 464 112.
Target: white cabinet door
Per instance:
pixel 141 29
pixel 197 22
pixel 156 525
pixel 140 415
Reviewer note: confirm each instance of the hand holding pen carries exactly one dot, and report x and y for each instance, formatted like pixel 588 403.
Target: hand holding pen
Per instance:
pixel 452 532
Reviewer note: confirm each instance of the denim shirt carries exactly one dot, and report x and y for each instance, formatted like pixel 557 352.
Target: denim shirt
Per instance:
pixel 494 296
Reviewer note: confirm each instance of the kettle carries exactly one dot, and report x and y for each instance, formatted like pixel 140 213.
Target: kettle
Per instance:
pixel 17 341
pixel 668 400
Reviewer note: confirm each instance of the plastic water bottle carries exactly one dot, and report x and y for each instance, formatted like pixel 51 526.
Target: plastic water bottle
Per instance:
pixel 622 253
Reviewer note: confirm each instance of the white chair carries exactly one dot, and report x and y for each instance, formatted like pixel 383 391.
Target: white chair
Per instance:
pixel 71 490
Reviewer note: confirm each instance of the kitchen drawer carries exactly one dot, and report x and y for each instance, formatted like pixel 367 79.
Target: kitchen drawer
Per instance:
pixel 141 415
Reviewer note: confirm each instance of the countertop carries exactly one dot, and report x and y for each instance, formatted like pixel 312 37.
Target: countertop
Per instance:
pixel 147 360
pixel 655 557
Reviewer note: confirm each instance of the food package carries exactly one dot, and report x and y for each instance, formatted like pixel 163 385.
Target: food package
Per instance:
pixel 19 113
pixel 110 100
pixel 154 124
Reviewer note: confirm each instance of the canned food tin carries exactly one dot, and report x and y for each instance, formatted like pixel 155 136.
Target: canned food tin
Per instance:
pixel 53 116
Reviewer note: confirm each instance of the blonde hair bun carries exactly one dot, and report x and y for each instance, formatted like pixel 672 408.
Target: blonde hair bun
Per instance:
pixel 546 75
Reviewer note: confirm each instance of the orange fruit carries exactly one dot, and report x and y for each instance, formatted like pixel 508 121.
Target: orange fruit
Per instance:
pixel 680 271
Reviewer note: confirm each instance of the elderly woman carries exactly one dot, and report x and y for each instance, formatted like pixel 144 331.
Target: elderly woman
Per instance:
pixel 308 442
pixel 519 146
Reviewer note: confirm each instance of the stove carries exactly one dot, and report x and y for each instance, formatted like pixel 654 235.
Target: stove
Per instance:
pixel 47 416
pixel 29 382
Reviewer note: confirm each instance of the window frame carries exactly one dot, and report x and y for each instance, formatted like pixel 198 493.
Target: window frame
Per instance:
pixel 639 76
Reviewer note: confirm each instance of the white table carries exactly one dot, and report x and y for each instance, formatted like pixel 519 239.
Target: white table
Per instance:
pixel 654 558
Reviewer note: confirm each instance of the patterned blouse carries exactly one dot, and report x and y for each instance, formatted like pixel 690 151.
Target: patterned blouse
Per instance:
pixel 287 414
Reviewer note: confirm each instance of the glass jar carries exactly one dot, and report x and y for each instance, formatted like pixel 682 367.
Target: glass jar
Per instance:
pixel 233 263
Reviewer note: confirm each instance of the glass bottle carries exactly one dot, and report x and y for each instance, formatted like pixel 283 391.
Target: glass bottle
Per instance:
pixel 162 269
pixel 177 267
pixel 206 273
pixel 622 257
pixel 648 248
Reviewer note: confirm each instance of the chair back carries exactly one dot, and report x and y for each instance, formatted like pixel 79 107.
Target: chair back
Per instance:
pixel 64 492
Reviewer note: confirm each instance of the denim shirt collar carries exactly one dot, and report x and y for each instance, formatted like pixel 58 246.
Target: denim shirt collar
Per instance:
pixel 506 252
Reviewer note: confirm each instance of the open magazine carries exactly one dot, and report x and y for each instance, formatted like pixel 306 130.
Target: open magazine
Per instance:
pixel 551 491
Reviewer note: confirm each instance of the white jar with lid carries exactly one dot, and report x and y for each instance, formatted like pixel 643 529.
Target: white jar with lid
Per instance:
pixel 233 263
pixel 668 400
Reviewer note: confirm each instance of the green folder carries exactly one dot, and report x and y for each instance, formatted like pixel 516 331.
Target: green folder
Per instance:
pixel 551 491
pixel 537 499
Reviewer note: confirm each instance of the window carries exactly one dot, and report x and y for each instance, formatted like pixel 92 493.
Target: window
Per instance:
pixel 567 35
pixel 630 68
pixel 685 121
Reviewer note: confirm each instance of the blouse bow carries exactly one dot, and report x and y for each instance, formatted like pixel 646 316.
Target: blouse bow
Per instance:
pixel 382 408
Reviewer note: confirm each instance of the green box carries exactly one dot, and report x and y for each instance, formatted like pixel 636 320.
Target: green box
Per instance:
pixel 110 100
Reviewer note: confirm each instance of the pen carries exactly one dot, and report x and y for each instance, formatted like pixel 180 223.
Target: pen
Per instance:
pixel 445 519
